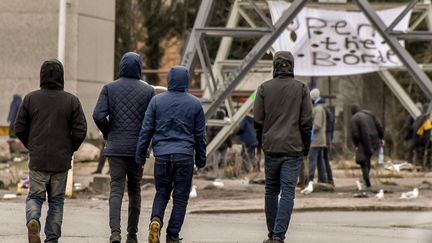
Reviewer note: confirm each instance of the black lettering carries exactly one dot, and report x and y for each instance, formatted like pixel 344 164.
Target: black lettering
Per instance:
pixel 369 27
pixel 366 58
pixel 351 59
pixel 350 43
pixel 368 44
pixel 391 57
pixel 322 59
pixel 328 44
pixel 338 27
pixel 314 24
pixel 380 57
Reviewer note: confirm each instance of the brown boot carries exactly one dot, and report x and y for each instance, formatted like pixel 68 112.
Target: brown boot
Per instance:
pixel 33 228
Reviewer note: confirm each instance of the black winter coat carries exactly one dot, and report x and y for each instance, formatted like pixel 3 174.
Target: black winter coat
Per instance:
pixel 120 109
pixel 51 122
pixel 366 131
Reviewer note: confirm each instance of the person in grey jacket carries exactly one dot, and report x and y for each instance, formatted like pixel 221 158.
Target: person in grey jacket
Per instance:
pixel 283 121
pixel 319 143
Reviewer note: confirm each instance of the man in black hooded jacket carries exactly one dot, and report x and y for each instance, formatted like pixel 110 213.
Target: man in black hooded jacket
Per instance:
pixel 367 134
pixel 51 124
pixel 283 121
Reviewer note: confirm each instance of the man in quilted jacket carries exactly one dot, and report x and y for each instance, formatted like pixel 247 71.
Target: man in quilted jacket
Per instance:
pixel 175 123
pixel 118 114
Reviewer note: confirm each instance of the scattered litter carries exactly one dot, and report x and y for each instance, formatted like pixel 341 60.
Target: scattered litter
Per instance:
pixel 410 195
pixel 309 188
pixel 359 185
pixel 18 159
pixel 9 196
pixel 360 195
pixel 23 185
pixel 218 184
pixel 398 167
pixel 380 194
pixel 193 193
pixel 388 182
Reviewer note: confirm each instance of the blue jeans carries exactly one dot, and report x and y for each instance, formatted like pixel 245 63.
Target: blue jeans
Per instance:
pixel 316 158
pixel 281 174
pixel 173 173
pixel 41 184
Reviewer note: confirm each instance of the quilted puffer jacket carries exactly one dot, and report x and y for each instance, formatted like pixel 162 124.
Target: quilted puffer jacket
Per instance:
pixel 121 106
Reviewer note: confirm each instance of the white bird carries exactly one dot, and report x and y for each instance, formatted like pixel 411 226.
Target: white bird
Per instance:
pixel 218 184
pixel 397 167
pixel 359 186
pixel 410 195
pixel 308 189
pixel 193 193
pixel 380 194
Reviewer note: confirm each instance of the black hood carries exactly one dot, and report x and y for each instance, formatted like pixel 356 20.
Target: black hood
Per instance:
pixel 52 75
pixel 130 66
pixel 178 78
pixel 283 64
pixel 355 108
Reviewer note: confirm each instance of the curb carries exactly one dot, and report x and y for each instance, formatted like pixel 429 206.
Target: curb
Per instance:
pixel 317 209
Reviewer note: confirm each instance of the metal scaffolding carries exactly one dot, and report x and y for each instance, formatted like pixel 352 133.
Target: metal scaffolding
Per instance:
pixel 219 86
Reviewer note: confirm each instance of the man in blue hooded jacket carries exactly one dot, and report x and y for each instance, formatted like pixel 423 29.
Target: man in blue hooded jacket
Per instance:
pixel 118 114
pixel 176 123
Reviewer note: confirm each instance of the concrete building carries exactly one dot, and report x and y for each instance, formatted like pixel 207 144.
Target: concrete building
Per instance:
pixel 28 36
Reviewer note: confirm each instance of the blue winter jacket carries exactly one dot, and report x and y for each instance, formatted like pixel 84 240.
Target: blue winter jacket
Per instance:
pixel 246 132
pixel 175 121
pixel 120 109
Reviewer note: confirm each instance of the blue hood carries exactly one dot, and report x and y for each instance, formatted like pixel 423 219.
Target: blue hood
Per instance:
pixel 178 78
pixel 130 66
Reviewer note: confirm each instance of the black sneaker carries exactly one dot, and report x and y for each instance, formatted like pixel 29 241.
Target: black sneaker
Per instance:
pixel 132 238
pixel 115 237
pixel 269 240
pixel 277 240
pixel 172 239
pixel 154 231
pixel 33 228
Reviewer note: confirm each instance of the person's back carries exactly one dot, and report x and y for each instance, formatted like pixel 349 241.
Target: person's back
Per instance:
pixel 52 125
pixel 367 134
pixel 283 121
pixel 175 124
pixel 118 114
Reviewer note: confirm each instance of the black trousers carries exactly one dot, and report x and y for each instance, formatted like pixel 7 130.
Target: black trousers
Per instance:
pixel 120 169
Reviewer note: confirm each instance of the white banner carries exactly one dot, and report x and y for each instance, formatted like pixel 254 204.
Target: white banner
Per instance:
pixel 331 43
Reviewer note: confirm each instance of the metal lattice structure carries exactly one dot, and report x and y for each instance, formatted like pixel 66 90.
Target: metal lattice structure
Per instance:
pixel 219 87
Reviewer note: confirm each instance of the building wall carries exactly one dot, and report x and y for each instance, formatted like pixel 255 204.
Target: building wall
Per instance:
pixel 29 32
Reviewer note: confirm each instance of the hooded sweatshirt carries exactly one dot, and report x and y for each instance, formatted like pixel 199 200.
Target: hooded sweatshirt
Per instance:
pixel 283 110
pixel 121 106
pixel 175 121
pixel 51 122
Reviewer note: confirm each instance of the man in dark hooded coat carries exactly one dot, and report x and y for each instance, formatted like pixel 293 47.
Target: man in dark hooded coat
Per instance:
pixel 118 114
pixel 283 122
pixel 367 134
pixel 51 124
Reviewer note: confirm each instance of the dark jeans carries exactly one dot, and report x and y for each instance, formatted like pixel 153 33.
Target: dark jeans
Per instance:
pixel 250 163
pixel 281 174
pixel 173 173
pixel 120 168
pixel 316 159
pixel 328 165
pixel 365 166
pixel 41 184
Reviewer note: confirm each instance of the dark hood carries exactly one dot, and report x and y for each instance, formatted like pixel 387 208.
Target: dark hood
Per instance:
pixel 130 66
pixel 283 64
pixel 355 108
pixel 178 78
pixel 52 75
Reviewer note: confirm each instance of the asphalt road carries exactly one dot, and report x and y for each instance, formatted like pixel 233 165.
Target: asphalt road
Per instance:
pixel 86 221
